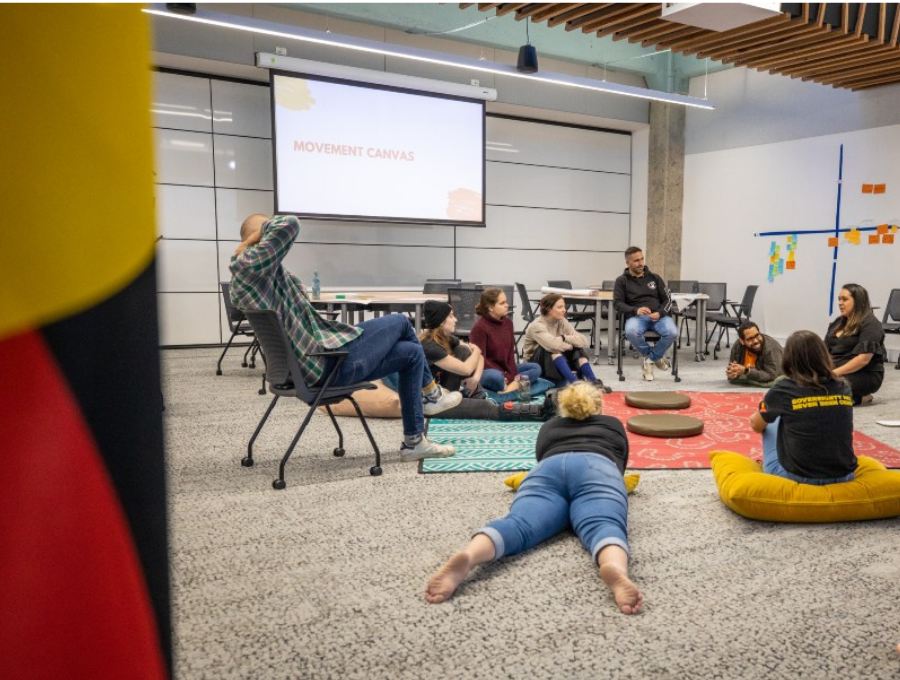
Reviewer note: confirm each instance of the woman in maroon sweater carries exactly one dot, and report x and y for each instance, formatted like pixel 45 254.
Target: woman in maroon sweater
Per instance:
pixel 493 335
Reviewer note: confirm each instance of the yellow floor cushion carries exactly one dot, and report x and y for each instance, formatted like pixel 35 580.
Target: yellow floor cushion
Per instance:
pixel 382 402
pixel 743 487
pixel 513 482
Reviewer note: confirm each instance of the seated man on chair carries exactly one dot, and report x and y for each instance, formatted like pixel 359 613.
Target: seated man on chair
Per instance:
pixel 376 347
pixel 645 300
pixel 755 360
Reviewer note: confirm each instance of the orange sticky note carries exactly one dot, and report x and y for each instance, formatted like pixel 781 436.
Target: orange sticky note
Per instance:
pixel 882 228
pixel 790 264
pixel 887 238
pixel 874 238
pixel 880 188
pixel 867 188
pixel 832 242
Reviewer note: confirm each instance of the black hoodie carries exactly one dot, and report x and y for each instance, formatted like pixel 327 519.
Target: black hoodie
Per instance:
pixel 649 291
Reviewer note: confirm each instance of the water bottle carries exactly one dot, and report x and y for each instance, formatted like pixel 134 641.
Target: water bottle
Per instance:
pixel 317 286
pixel 524 389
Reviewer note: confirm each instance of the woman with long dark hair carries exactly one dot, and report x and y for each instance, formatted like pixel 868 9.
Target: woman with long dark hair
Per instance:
pixel 806 419
pixel 856 342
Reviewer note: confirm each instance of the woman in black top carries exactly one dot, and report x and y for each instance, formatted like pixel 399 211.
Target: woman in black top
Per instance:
pixel 806 419
pixel 577 483
pixel 856 343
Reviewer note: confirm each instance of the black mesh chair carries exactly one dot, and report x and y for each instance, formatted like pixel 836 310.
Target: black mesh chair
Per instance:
pixel 725 322
pixel 285 380
pixel 463 301
pixel 890 322
pixel 716 304
pixel 529 310
pixel 239 326
pixel 682 286
pixel 649 336
pixel 576 313
pixel 437 286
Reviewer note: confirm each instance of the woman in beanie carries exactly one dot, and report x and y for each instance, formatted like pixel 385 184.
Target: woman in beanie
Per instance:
pixel 493 334
pixel 457 366
pixel 576 484
pixel 553 344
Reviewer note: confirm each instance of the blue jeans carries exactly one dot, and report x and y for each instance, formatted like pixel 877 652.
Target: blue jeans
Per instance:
pixel 495 381
pixel 635 328
pixel 772 466
pixel 584 491
pixel 389 345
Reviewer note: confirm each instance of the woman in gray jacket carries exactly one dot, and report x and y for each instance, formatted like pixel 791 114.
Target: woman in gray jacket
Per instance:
pixel 553 344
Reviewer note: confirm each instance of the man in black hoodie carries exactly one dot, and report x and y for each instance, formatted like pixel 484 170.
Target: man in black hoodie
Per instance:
pixel 645 300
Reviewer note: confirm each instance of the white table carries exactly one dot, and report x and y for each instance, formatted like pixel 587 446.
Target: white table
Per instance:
pixel 350 302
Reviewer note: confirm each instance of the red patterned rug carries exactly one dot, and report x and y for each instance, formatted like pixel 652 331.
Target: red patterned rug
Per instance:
pixel 725 417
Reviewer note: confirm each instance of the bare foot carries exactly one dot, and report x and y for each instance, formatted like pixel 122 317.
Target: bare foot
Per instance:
pixel 627 595
pixel 446 579
pixel 510 387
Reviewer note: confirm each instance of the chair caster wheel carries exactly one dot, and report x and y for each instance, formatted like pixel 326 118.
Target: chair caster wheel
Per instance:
pixel 261 392
pixel 621 378
pixel 278 484
pixel 375 471
pixel 243 364
pixel 252 364
pixel 219 371
pixel 339 452
pixel 677 379
pixel 247 461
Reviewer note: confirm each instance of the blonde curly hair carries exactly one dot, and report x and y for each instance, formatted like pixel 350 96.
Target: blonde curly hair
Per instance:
pixel 580 401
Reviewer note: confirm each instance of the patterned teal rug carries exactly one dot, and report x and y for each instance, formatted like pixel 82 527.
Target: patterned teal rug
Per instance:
pixel 483 445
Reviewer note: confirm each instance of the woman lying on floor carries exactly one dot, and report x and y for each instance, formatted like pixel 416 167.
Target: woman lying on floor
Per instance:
pixel 806 419
pixel 458 366
pixel 578 483
pixel 552 343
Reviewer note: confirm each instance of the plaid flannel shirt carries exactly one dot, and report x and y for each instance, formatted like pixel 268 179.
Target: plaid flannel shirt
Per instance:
pixel 258 281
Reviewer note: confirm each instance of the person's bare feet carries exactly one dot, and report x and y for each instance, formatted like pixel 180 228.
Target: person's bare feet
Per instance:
pixel 628 597
pixel 446 579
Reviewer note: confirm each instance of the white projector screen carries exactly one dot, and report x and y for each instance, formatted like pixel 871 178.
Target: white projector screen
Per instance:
pixel 352 151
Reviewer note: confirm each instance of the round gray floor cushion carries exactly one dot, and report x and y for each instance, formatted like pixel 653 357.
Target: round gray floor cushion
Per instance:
pixel 665 425
pixel 661 400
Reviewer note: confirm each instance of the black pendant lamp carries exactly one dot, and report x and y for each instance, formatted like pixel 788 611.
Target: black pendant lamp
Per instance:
pixel 528 61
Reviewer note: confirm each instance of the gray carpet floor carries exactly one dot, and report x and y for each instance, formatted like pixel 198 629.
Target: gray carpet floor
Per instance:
pixel 325 578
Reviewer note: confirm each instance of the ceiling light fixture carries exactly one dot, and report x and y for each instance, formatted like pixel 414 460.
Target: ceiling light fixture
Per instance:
pixel 275 30
pixel 527 62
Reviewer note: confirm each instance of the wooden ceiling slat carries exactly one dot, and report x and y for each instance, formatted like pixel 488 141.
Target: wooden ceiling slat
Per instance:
pixel 813 59
pixel 529 11
pixel 620 31
pixel 629 13
pixel 860 18
pixel 851 75
pixel 896 32
pixel 670 39
pixel 820 20
pixel 763 41
pixel 890 80
pixel 848 65
pixel 882 20
pixel 660 28
pixel 553 9
pixel 892 76
pixel 487 6
pixel 787 48
pixel 845 17
pixel 508 7
pixel 798 70
pixel 848 60
pixel 805 13
pixel 579 11
pixel 801 57
pixel 712 38
pixel 598 16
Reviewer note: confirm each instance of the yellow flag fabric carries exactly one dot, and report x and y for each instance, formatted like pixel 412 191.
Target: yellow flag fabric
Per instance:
pixel 77 158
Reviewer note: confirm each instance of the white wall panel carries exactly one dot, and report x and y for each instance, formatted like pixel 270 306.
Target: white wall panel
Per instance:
pixel 234 205
pixel 183 158
pixel 181 102
pixel 530 142
pixel 243 163
pixel 535 268
pixel 189 319
pixel 375 234
pixel 187 266
pixel 241 109
pixel 540 229
pixel 185 212
pixel 540 187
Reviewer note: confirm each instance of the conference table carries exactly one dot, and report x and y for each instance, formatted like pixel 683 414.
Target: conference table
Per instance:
pixel 604 298
pixel 351 303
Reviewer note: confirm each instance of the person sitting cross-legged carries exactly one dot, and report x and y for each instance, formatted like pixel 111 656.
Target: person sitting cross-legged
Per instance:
pixel 755 359
pixel 376 348
pixel 576 484
pixel 644 299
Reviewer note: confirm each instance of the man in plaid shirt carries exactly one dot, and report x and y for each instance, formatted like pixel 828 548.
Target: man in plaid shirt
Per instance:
pixel 376 347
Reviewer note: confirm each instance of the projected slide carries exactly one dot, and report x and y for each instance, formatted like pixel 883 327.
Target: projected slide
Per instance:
pixel 355 152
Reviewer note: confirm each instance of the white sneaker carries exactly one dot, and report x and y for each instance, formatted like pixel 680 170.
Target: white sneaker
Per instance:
pixel 447 401
pixel 663 364
pixel 647 368
pixel 425 449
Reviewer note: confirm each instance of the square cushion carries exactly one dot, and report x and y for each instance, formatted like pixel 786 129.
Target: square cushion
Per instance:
pixel 743 487
pixel 382 402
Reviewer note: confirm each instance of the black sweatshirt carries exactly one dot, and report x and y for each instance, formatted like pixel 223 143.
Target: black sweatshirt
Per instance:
pixel 649 291
pixel 603 435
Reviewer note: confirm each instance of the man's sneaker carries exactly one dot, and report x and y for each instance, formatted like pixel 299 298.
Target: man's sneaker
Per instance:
pixel 425 449
pixel 447 401
pixel 647 369
pixel 663 364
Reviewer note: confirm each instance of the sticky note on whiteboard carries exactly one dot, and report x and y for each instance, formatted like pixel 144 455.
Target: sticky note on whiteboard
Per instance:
pixel 791 264
pixel 874 238
pixel 832 241
pixel 882 228
pixel 887 238
pixel 867 188
pixel 879 188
